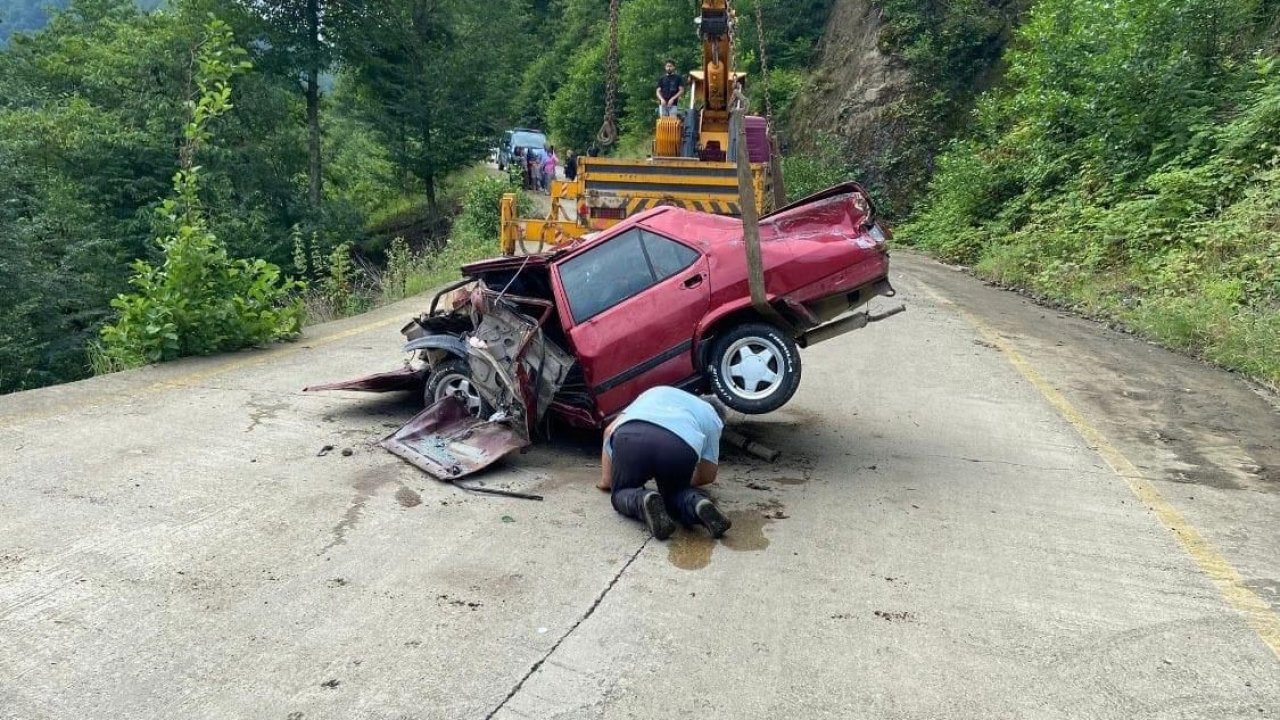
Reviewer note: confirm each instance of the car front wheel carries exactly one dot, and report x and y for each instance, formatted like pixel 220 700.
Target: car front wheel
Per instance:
pixel 754 368
pixel 453 377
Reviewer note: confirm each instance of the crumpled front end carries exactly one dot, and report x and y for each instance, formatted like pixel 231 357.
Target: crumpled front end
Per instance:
pixel 517 372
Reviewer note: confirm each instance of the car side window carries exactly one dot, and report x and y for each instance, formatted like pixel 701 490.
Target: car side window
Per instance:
pixel 605 276
pixel 618 269
pixel 667 256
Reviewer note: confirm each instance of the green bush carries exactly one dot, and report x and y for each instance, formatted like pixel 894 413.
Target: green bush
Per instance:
pixel 198 300
pixel 481 207
pixel 807 173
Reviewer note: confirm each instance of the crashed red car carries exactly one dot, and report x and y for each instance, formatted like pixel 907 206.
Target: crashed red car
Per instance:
pixel 659 299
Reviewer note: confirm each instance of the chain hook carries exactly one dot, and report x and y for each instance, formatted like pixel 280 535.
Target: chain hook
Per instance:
pixel 608 134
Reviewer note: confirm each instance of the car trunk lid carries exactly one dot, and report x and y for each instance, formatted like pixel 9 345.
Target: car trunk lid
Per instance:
pixel 447 442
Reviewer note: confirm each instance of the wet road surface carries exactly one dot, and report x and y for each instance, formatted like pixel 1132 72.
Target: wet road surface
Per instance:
pixel 984 508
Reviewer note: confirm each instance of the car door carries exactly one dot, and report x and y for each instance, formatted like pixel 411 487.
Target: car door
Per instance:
pixel 630 306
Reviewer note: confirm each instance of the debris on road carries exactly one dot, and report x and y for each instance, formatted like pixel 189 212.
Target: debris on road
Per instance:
pixel 497 491
pixel 739 441
pixel 895 615
pixel 325 451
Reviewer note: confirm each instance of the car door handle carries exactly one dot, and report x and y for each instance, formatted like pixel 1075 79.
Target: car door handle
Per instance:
pixel 693 281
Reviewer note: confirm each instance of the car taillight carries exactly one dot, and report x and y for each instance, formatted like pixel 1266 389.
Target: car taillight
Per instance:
pixel 881 237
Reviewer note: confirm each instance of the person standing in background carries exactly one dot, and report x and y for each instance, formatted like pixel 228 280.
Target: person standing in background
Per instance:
pixel 535 168
pixel 670 90
pixel 549 164
pixel 571 166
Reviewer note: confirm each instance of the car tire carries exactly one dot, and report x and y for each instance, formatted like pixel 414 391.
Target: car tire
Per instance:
pixel 754 368
pixel 453 377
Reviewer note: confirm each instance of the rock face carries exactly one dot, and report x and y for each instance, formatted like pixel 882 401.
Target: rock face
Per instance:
pixel 853 86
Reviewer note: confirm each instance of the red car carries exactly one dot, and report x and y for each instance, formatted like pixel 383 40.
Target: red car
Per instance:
pixel 659 299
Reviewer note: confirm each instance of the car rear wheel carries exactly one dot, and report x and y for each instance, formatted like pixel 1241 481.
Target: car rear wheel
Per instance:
pixel 754 368
pixel 453 377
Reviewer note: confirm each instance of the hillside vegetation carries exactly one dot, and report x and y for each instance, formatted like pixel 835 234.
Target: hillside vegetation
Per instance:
pixel 1128 165
pixel 155 204
pixel 893 81
pixel 327 165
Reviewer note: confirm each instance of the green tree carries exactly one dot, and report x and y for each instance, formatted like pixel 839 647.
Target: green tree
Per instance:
pixel 85 145
pixel 297 43
pixel 578 27
pixel 577 108
pixel 434 77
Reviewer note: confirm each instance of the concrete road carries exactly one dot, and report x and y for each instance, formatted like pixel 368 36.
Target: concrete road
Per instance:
pixel 985 509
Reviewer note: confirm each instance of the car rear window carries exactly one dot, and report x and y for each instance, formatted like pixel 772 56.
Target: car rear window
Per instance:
pixel 626 265
pixel 667 257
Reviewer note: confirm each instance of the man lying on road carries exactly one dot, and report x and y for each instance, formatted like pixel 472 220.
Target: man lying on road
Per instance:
pixel 672 437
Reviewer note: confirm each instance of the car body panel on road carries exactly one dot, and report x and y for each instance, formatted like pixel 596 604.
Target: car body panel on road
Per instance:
pixel 448 441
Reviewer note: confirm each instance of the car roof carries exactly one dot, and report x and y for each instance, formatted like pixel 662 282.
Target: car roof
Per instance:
pixel 690 226
pixel 703 229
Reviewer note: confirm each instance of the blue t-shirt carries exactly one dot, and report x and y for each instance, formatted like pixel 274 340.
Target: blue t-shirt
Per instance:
pixel 686 415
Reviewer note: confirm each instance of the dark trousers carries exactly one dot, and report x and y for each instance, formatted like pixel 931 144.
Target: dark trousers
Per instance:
pixel 644 451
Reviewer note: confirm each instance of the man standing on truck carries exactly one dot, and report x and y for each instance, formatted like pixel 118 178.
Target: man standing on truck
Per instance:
pixel 670 90
pixel 672 437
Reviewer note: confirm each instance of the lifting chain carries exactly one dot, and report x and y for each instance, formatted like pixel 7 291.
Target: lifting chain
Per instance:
pixel 764 64
pixel 608 134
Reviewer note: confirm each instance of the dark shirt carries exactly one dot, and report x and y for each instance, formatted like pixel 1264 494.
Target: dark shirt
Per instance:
pixel 571 168
pixel 669 85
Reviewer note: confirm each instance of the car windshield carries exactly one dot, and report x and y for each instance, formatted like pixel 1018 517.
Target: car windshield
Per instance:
pixel 528 139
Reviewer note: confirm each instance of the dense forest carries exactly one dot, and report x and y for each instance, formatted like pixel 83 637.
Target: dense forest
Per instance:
pixel 333 158
pixel 185 176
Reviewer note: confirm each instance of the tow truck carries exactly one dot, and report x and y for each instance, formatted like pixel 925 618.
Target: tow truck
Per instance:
pixel 693 163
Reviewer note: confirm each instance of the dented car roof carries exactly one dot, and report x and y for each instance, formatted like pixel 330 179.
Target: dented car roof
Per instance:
pixel 705 229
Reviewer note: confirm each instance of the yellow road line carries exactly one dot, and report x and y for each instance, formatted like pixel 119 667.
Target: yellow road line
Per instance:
pixel 1264 621
pixel 191 378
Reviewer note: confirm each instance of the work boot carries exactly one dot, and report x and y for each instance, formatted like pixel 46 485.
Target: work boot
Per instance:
pixel 655 515
pixel 712 518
